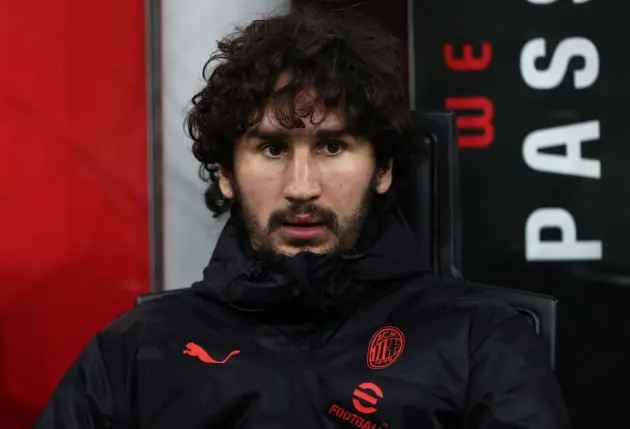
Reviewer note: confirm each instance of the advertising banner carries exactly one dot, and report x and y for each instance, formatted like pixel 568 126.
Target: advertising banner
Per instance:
pixel 539 87
pixel 74 216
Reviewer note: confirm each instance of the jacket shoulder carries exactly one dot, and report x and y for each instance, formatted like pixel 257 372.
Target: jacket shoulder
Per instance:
pixel 482 311
pixel 155 317
pixel 463 295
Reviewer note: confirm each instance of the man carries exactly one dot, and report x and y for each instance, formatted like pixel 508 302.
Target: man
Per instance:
pixel 314 310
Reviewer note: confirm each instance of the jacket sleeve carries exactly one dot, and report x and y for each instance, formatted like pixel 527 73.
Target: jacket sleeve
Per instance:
pixel 84 397
pixel 512 384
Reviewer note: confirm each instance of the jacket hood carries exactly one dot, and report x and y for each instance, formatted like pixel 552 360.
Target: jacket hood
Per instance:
pixel 307 283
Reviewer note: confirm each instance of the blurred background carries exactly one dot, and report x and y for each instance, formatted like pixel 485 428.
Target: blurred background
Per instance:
pixel 100 200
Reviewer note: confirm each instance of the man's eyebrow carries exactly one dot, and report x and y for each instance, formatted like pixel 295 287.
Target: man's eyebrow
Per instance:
pixel 275 135
pixel 332 133
pixel 265 135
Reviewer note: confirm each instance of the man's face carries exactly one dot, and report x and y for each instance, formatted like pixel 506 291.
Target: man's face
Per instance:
pixel 303 189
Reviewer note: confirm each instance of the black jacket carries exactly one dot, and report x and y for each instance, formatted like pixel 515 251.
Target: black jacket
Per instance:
pixel 362 339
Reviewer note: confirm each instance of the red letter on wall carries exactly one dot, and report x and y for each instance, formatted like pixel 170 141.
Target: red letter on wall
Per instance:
pixel 470 122
pixel 468 62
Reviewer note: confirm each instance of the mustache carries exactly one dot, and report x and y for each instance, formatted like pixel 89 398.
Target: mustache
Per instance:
pixel 323 216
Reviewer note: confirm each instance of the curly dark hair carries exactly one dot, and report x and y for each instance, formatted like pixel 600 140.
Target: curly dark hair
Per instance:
pixel 348 61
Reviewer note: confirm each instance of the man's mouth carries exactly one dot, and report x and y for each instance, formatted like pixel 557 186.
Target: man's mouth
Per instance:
pixel 303 227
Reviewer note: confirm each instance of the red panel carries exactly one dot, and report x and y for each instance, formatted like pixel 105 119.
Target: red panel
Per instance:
pixel 73 194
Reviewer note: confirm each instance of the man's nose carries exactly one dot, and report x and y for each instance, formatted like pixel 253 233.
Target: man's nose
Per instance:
pixel 302 177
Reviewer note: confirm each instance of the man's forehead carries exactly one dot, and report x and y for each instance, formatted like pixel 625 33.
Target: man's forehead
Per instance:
pixel 314 124
pixel 303 112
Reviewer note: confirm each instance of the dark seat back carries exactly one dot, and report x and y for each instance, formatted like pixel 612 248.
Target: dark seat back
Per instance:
pixel 430 202
pixel 429 198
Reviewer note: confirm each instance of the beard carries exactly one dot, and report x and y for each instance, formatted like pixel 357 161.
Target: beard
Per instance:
pixel 344 231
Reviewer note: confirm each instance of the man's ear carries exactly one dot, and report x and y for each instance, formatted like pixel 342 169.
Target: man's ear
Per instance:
pixel 225 184
pixel 384 178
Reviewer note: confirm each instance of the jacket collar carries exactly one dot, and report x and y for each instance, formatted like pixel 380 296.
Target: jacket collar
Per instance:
pixel 310 284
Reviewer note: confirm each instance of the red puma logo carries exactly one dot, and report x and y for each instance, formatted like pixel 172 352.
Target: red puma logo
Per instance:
pixel 197 351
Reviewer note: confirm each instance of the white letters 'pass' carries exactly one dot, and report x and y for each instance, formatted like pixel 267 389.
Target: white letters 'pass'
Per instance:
pixel 567 248
pixel 551 77
pixel 571 162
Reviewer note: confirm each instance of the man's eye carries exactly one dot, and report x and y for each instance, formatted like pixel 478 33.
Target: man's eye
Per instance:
pixel 272 150
pixel 332 148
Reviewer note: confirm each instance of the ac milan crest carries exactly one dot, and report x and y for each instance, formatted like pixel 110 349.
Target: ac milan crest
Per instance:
pixel 386 346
